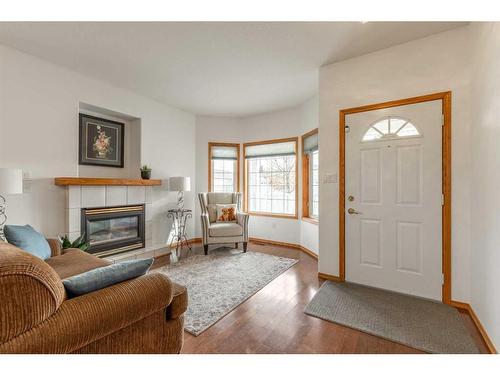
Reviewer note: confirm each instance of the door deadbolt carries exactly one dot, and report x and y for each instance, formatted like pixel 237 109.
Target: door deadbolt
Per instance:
pixel 350 198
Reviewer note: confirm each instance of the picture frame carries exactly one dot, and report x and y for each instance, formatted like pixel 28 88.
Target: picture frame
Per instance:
pixel 101 141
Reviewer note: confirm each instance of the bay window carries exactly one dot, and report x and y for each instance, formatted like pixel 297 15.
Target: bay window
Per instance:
pixel 271 177
pixel 223 167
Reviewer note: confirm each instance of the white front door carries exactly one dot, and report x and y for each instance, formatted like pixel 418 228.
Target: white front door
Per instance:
pixel 393 193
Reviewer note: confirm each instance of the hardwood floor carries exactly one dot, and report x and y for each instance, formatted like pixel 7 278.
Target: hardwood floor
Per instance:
pixel 273 321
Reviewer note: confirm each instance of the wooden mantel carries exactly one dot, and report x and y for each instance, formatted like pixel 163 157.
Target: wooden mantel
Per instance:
pixel 66 181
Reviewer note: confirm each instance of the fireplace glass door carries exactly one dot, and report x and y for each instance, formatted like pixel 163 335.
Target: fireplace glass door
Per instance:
pixel 112 230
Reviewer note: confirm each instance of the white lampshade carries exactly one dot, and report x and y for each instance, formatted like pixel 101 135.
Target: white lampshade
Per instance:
pixel 179 184
pixel 11 181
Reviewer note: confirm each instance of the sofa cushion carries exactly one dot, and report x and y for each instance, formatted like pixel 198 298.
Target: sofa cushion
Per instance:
pixel 225 230
pixel 74 262
pixel 28 239
pixel 103 277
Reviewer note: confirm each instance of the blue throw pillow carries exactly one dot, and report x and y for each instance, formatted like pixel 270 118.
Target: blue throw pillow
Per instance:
pixel 28 239
pixel 102 277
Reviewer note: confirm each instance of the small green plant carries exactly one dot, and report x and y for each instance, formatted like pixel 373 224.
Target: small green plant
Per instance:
pixel 145 168
pixel 79 243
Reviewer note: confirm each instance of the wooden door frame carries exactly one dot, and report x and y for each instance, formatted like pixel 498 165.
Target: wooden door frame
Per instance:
pixel 445 98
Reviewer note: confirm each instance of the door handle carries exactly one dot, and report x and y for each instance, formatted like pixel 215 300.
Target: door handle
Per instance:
pixel 352 211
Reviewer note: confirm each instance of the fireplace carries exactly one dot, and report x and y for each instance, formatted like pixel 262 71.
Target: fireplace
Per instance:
pixel 112 230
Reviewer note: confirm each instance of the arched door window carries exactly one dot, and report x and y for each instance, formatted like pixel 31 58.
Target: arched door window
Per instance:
pixel 391 128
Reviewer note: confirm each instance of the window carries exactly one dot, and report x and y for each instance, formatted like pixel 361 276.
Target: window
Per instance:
pixel 223 167
pixel 310 176
pixel 271 177
pixel 391 128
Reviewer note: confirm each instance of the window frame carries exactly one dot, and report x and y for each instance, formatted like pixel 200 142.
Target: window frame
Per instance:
pixel 223 144
pixel 306 179
pixel 246 179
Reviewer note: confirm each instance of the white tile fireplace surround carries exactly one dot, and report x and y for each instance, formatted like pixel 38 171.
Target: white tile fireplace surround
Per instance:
pixel 78 197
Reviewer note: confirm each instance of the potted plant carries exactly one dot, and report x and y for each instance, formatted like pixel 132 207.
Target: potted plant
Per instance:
pixel 79 243
pixel 145 172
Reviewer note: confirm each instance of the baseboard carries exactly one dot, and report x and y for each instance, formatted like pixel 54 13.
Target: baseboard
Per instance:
pixel 191 241
pixel 305 250
pixel 329 277
pixel 477 323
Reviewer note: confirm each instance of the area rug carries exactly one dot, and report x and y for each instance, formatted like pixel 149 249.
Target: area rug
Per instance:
pixel 421 324
pixel 217 283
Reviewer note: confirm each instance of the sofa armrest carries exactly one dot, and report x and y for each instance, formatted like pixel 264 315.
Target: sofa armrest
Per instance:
pixel 55 247
pixel 87 318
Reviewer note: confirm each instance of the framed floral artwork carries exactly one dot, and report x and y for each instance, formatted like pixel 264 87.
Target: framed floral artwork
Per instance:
pixel 101 142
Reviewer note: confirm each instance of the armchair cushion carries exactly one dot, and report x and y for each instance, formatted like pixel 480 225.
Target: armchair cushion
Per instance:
pixel 103 277
pixel 225 230
pixel 212 212
pixel 220 198
pixel 226 212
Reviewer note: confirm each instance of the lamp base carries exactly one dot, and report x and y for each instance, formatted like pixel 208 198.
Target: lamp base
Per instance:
pixel 180 200
pixel 3 216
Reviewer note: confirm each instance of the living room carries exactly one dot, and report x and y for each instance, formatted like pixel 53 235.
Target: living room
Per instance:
pixel 248 187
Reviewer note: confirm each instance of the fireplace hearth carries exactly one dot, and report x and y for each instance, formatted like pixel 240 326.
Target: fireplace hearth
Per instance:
pixel 112 230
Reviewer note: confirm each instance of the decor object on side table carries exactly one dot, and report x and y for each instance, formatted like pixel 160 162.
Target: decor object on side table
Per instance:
pixel 145 172
pixel 179 218
pixel 101 142
pixel 11 182
pixel 179 184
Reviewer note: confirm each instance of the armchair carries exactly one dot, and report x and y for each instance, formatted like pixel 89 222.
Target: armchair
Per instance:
pixel 220 232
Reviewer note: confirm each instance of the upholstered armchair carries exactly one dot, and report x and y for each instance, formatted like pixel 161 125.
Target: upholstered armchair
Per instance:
pixel 215 232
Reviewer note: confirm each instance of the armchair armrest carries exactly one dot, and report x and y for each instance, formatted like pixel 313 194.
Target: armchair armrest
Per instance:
pixel 242 218
pixel 205 224
pixel 85 319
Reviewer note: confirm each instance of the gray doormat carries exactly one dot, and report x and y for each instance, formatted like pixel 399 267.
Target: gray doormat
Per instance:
pixel 220 281
pixel 421 324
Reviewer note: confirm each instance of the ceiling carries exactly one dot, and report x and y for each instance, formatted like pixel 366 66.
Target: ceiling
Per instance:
pixel 211 68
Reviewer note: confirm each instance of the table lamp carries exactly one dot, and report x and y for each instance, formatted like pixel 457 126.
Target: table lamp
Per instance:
pixel 179 184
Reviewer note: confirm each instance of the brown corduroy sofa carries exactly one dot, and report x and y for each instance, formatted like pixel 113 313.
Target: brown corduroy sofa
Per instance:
pixel 142 315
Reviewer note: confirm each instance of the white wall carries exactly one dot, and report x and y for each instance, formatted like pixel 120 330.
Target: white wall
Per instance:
pixel 281 124
pixel 437 63
pixel 485 207
pixel 39 105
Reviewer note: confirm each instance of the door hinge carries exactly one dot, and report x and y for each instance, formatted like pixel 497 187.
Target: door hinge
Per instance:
pixel 442 279
pixel 442 119
pixel 442 199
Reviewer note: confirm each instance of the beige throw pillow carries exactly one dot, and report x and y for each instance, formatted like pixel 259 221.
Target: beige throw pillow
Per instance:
pixel 226 213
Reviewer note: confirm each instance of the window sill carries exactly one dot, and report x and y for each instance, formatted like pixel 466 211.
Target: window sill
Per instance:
pixel 279 216
pixel 311 220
